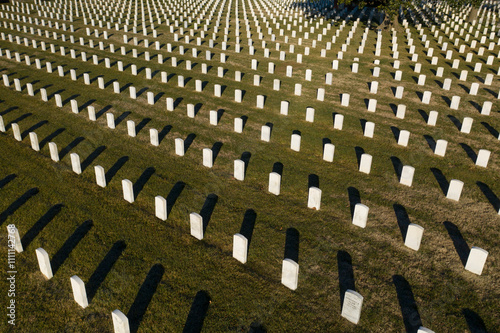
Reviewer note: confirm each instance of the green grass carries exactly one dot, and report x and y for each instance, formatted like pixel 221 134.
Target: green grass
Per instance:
pixel 251 293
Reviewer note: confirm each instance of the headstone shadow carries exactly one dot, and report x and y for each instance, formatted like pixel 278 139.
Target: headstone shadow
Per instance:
pixel 143 179
pixel 33 128
pixel 216 150
pixel 173 195
pixel 42 222
pixel 346 274
pixel 409 309
pixel 51 136
pixel 248 225
pixel 354 198
pixel 144 296
pixel 398 166
pixel 86 162
pixel 68 246
pixel 292 244
pixel 99 275
pixel 18 203
pixel 441 179
pixel 114 169
pixel 7 179
pixel 469 151
pixel 122 117
pixel 189 140
pixel 474 321
pixel 197 313
pixel 208 209
pixel 141 125
pixel 490 129
pixel 402 218
pixel 458 241
pixel 430 141
pixel 163 133
pixel 17 120
pixel 455 121
pixel 70 146
pixel 490 195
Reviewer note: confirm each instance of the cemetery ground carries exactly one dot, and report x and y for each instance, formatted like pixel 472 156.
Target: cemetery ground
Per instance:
pixel 164 279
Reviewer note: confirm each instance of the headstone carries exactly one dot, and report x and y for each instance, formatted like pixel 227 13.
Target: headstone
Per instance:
pixel 208 157
pixel 365 163
pixel 351 309
pixel 13 232
pixel 338 121
pixel 432 118
pixel 440 148
pixel 314 199
pixel 79 292
pixel 345 100
pixel 240 248
pixel 120 322
pixel 414 236
pixel 161 208
pixel 455 189
pixel 284 108
pixel 466 125
pixel 238 125
pixel 482 157
pixel 328 152
pixel 58 100
pixel 476 260
pixel 128 190
pixel 75 163
pixel 274 183
pixel 290 274
pixel 260 101
pixel 16 131
pixel 407 175
pixel 34 141
pixel 196 224
pixel 239 170
pixel 151 98
pixel 310 114
pixel 265 133
pixel 486 109
pixel 360 215
pixel 295 142
pixel 44 262
pixel 426 97
pixel 399 92
pixel 369 129
pixel 179 147
pixel 100 176
pixel 110 119
pixel 372 105
pixel 54 153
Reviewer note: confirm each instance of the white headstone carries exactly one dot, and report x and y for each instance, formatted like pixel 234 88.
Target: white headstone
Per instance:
pixel 338 121
pixel 407 175
pixel 455 189
pixel 128 190
pixel 351 309
pixel 34 141
pixel 239 170
pixel 75 163
pixel 110 119
pixel 79 292
pixel 240 248
pixel 265 133
pixel 196 224
pixel 295 142
pixel 365 163
pixel 482 157
pixel 179 147
pixel 284 107
pixel 314 199
pixel 290 274
pixel 44 262
pixel 208 157
pixel 54 153
pixel 12 230
pixel 476 260
pixel 16 131
pixel 100 176
pixel 238 125
pixel 360 215
pixel 345 100
pixel 369 129
pixel 414 236
pixel 441 147
pixel 466 125
pixel 120 322
pixel 486 109
pixel 274 183
pixel 161 208
pixel 328 152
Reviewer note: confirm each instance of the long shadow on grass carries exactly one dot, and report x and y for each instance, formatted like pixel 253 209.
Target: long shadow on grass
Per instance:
pixel 51 136
pixel 122 117
pixel 189 141
pixel 468 150
pixel 143 179
pixel 196 316
pixel 70 146
pixel 346 274
pixel 92 157
pixel 455 121
pixel 245 157
pixel 354 198
pixel 441 179
pixel 114 169
pixel 402 218
pixel 18 203
pixel 144 296
pixel 141 125
pixel 99 275
pixel 102 111
pixel 474 321
pixel 292 244
pixel 490 129
pixel 68 246
pixel 313 181
pixel 395 131
pixel 208 209
pixel 40 224
pixel 32 128
pixel 7 179
pixel 431 142
pixel 256 327
pixel 458 241
pixel 17 120
pixel 492 197
pixel 175 192
pixel 216 150
pixel 409 309
pixel 248 225
pixel 398 166
pixel 163 133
